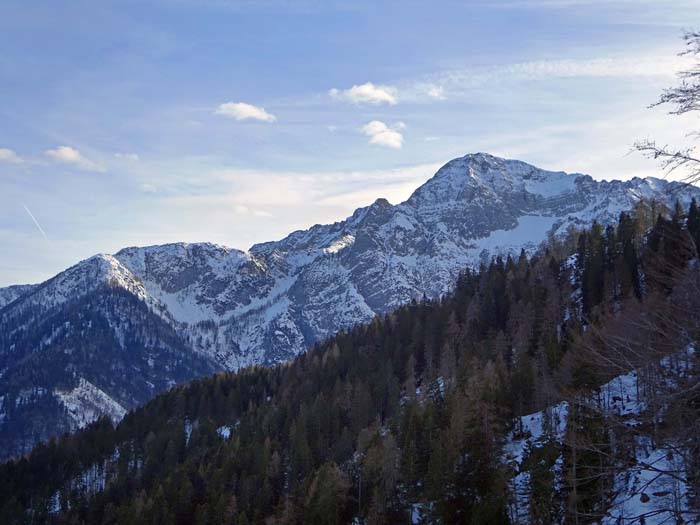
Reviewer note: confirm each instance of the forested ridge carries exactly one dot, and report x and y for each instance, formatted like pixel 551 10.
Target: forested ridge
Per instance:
pixel 406 418
pixel 107 338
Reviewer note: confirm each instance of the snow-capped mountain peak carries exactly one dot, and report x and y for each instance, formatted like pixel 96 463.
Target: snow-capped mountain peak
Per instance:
pixel 484 174
pixel 271 302
pixel 84 277
pixel 134 323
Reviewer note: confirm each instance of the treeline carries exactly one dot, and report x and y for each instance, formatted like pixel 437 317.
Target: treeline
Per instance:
pixel 401 419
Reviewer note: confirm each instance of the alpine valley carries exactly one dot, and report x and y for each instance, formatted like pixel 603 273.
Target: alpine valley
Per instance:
pixel 111 332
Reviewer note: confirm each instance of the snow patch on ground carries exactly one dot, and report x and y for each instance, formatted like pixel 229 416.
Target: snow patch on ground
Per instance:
pixel 641 491
pixel 655 486
pixel 224 431
pixel 532 431
pixel 645 488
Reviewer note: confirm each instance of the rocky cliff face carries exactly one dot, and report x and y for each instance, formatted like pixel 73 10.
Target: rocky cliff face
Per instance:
pixel 227 308
pixel 270 303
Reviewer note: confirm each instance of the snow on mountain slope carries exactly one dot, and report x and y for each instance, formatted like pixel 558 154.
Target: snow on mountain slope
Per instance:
pixel 80 279
pixel 66 363
pixel 11 293
pixel 193 281
pixel 97 272
pixel 270 303
pixel 85 403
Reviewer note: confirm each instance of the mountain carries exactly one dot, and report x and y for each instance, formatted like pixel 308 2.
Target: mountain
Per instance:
pixel 83 345
pixel 223 308
pixel 558 388
pixel 10 293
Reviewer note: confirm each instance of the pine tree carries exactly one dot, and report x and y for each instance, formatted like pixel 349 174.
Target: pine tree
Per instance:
pixel 694 223
pixel 327 498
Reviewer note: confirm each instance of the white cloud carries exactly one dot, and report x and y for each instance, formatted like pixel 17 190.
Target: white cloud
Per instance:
pixel 366 94
pixel 301 199
pixel 68 155
pixel 382 135
pixel 127 156
pixel 436 92
pixel 236 203
pixel 147 188
pixel 242 111
pixel 7 155
pixel 335 192
pixel 242 209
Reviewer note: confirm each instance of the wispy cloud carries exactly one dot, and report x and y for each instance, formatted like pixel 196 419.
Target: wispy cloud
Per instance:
pixel 7 155
pixel 367 93
pixel 562 4
pixel 147 188
pixel 382 135
pixel 461 81
pixel 68 155
pixel 243 111
pixel 436 92
pixel 241 210
pixel 127 156
pixel 638 66
pixel 297 190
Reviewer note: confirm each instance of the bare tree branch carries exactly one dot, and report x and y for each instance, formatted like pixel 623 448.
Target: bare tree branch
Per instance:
pixel 685 98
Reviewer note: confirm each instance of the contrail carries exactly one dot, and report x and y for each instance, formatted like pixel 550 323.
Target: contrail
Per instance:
pixel 36 222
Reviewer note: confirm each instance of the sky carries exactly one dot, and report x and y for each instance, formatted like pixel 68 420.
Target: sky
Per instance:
pixel 143 122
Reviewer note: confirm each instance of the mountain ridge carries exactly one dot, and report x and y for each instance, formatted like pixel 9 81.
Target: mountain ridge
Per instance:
pixel 488 405
pixel 474 207
pixel 237 308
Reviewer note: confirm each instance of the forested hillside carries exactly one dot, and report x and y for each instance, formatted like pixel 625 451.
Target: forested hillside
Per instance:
pixel 100 354
pixel 484 406
pixel 175 312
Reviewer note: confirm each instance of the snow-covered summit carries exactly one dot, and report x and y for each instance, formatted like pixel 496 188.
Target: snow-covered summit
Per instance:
pixel 483 174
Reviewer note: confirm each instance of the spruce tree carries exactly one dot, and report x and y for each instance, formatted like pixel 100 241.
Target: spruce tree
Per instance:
pixel 694 223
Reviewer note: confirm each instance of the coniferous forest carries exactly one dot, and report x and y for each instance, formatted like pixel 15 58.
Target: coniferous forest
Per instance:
pixel 413 417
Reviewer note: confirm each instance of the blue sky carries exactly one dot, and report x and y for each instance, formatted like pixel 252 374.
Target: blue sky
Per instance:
pixel 144 122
